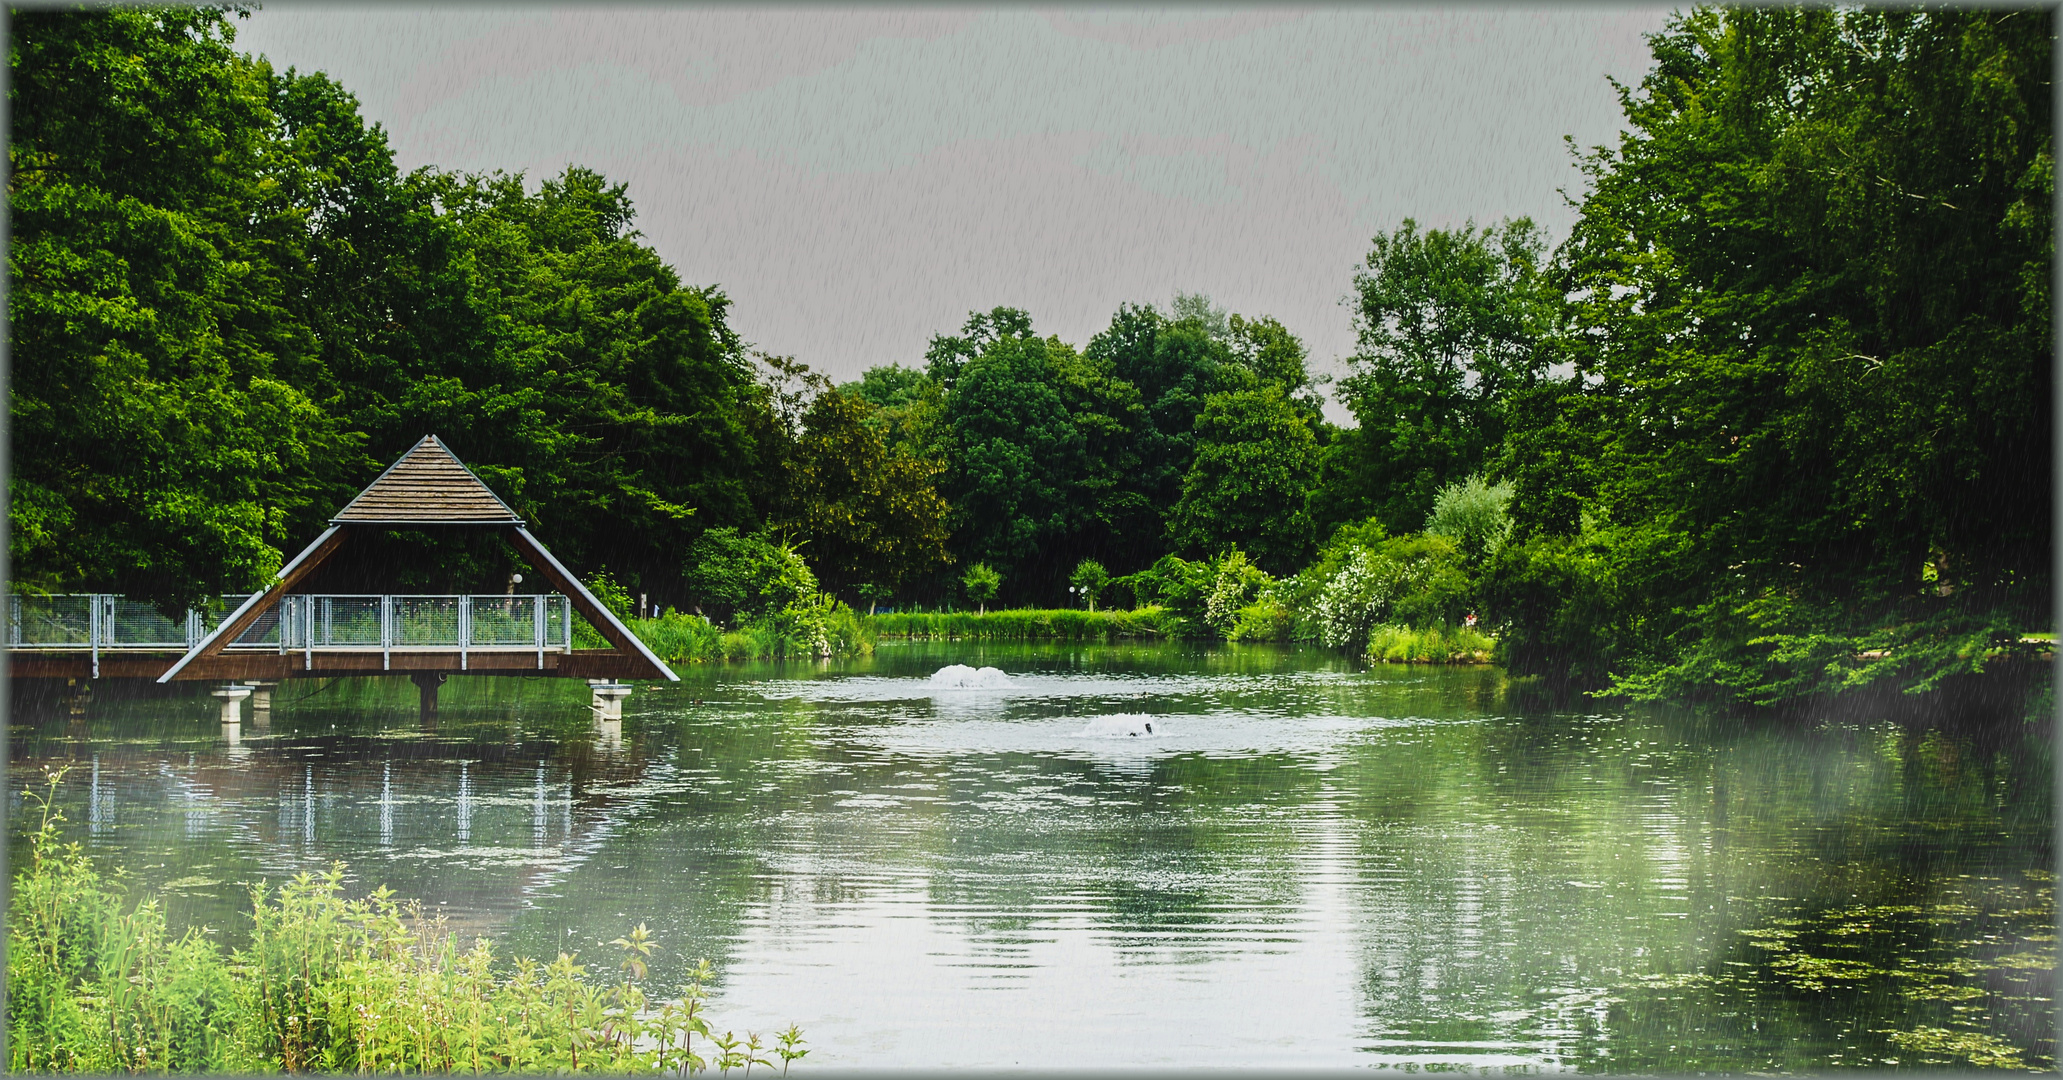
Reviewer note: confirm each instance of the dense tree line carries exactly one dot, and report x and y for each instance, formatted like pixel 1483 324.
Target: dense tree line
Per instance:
pixel 1773 419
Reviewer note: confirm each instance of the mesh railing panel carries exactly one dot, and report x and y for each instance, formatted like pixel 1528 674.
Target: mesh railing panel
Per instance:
pixel 425 620
pixel 138 623
pixel 323 621
pixel 347 620
pixel 504 620
pixel 265 631
pixel 50 620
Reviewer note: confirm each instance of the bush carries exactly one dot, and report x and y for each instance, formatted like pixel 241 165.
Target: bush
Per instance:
pixel 1554 603
pixel 736 578
pixel 822 627
pixel 1266 619
pixel 1472 514
pixel 1364 578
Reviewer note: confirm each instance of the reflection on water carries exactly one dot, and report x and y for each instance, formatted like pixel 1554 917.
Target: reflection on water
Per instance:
pixel 1302 863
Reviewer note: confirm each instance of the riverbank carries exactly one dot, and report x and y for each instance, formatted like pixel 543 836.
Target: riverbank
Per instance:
pixel 1386 644
pixel 1029 624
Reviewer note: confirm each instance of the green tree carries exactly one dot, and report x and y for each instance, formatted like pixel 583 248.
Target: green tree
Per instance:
pixel 1015 453
pixel 865 510
pixel 1089 580
pixel 166 443
pixel 1450 324
pixel 608 403
pixel 1254 463
pixel 1811 334
pixel 981 584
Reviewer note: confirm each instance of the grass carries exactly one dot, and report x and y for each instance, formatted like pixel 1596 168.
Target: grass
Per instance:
pixel 1027 624
pixel 678 638
pixel 97 984
pixel 1389 644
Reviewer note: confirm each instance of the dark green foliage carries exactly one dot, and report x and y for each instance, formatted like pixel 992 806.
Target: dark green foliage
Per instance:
pixel 1811 331
pixel 1450 323
pixel 865 509
pixel 1017 454
pixel 168 419
pixel 1557 610
pixel 1254 463
pixel 732 576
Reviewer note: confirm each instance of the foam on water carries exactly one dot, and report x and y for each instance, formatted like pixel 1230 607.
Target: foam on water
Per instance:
pixel 1120 726
pixel 962 677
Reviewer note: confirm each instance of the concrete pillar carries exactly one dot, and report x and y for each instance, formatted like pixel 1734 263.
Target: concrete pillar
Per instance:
pixel 232 697
pixel 608 698
pixel 261 706
pixel 426 684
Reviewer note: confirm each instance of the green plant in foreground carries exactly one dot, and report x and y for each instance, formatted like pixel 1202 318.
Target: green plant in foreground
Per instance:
pixel 327 984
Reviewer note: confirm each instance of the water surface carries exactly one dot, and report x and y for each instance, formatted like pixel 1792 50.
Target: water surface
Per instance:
pixel 1305 863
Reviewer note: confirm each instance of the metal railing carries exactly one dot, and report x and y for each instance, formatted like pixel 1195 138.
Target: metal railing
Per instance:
pixel 301 623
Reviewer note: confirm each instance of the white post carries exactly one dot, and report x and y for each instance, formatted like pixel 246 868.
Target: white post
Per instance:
pixel 308 633
pixel 386 633
pixel 465 627
pixel 537 625
pixel 93 631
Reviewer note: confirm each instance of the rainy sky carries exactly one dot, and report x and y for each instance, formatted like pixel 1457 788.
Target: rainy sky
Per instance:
pixel 858 180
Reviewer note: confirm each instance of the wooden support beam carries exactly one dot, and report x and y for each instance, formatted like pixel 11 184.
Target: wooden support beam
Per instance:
pixel 599 617
pixel 241 619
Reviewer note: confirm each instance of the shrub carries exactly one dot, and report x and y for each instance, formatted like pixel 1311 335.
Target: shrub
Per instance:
pixel 1472 514
pixel 1554 603
pixel 1364 578
pixel 1393 644
pixel 736 577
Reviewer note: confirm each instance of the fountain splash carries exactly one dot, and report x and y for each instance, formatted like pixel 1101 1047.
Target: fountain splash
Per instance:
pixel 962 677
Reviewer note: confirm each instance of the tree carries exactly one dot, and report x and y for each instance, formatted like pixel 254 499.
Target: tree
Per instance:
pixel 1016 453
pixel 1254 463
pixel 1449 325
pixel 166 443
pixel 865 511
pixel 981 584
pixel 1173 365
pixel 1472 513
pixel 1089 579
pixel 1810 329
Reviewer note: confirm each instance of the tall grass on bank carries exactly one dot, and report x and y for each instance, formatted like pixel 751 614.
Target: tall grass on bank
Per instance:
pixel 1028 624
pixel 328 984
pixel 827 630
pixel 1392 644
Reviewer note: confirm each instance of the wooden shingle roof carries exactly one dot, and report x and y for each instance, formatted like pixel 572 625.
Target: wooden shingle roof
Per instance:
pixel 427 486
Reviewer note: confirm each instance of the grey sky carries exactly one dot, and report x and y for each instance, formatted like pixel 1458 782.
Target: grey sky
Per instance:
pixel 858 179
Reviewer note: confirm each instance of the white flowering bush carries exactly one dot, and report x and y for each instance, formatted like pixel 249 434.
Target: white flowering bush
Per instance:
pixel 1366 579
pixel 1235 583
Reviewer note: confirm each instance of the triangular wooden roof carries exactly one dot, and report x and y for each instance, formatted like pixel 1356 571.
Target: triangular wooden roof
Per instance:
pixel 427 486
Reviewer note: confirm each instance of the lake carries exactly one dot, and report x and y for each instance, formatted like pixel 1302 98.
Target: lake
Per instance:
pixel 1306 862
